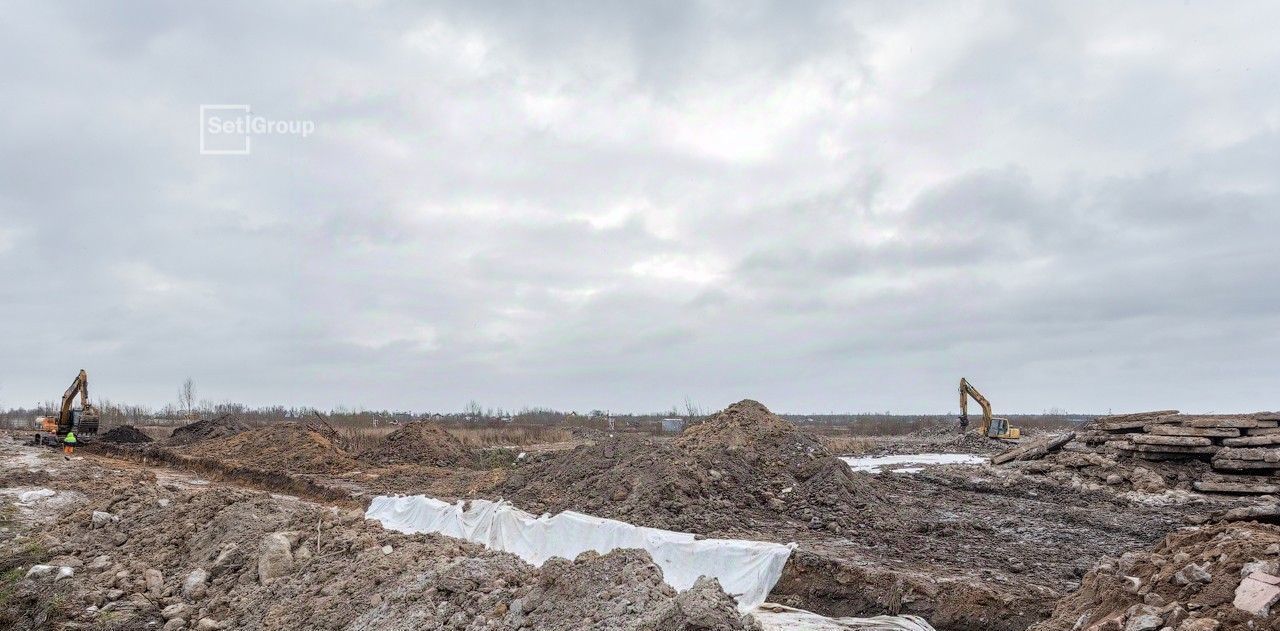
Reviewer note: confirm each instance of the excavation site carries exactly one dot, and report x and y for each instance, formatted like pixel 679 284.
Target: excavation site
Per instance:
pixel 742 519
pixel 639 315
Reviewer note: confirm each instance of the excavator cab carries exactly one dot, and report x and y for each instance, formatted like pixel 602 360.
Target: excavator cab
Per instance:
pixel 1000 428
pixel 992 427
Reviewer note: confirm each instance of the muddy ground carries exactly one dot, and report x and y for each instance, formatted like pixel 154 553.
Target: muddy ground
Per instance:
pixel 964 546
pixel 94 542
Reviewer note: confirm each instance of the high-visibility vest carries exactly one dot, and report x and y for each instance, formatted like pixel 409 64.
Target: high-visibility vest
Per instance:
pixel 70 439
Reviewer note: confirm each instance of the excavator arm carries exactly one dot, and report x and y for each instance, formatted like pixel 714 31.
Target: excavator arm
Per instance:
pixel 66 421
pixel 79 386
pixel 991 427
pixel 966 391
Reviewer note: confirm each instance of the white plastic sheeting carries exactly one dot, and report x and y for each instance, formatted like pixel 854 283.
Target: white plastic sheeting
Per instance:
pixel 747 570
pixel 29 497
pixel 774 617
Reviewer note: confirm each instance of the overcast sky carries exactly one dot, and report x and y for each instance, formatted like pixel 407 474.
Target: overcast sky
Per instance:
pixel 820 206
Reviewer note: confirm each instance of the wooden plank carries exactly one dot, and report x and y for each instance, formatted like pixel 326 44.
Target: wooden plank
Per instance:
pixel 1207 432
pixel 1253 441
pixel 1177 441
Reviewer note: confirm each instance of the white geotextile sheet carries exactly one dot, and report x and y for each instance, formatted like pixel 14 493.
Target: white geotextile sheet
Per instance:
pixel 774 617
pixel 747 570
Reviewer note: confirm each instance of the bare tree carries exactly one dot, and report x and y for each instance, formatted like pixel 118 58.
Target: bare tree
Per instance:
pixel 187 396
pixel 692 411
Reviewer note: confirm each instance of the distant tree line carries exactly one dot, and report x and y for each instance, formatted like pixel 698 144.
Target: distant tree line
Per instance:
pixel 476 415
pixel 187 409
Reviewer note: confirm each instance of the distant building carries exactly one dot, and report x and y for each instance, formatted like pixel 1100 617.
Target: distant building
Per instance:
pixel 672 425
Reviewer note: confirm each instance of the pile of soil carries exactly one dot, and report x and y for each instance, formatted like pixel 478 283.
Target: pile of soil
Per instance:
pixel 146 555
pixel 1187 582
pixel 206 429
pixel 749 427
pixel 124 434
pixel 421 443
pixel 946 436
pixel 308 447
pixel 737 467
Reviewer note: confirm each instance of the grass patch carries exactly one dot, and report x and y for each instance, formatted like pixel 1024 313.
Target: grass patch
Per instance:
pixel 498 458
pixel 8 585
pixel 503 436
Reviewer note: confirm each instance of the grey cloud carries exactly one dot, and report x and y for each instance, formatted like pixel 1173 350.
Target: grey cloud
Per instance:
pixel 822 206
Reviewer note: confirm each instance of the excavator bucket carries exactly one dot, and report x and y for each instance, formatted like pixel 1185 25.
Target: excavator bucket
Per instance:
pixel 86 424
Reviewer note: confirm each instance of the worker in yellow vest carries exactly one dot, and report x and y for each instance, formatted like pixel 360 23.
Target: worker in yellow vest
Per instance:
pixel 69 444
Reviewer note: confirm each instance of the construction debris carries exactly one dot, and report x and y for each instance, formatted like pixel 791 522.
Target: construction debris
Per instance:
pixel 1216 577
pixel 1034 450
pixel 1231 443
pixel 1243 486
pixel 1267 513
pixel 1124 422
pixel 917 544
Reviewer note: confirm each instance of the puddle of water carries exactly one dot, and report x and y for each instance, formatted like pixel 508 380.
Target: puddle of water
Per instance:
pixel 918 462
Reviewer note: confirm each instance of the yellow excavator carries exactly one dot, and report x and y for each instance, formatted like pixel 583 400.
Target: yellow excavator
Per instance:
pixel 83 421
pixel 992 427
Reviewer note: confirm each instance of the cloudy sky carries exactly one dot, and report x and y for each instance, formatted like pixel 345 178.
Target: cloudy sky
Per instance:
pixel 839 206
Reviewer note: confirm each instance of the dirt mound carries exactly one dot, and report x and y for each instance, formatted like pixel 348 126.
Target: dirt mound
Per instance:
pixel 946 435
pixel 420 443
pixel 939 429
pixel 220 557
pixel 593 588
pixel 737 467
pixel 206 429
pixel 124 434
pixel 1194 574
pixel 310 447
pixel 749 427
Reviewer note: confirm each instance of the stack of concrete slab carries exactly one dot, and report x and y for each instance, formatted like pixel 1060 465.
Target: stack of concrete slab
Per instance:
pixel 1232 443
